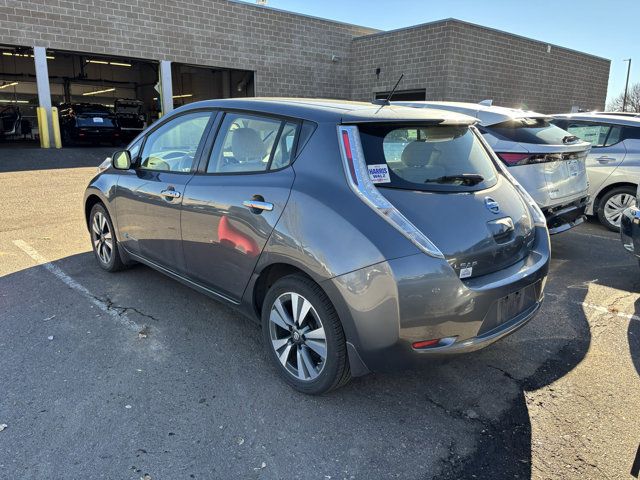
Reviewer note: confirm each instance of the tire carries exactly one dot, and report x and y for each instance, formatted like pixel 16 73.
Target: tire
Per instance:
pixel 314 374
pixel 608 212
pixel 102 235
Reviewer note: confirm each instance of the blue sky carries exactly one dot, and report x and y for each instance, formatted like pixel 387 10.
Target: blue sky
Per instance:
pixel 607 28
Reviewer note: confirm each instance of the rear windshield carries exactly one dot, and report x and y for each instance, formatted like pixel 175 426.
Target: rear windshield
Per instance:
pixel 90 108
pixel 529 130
pixel 436 158
pixel 97 120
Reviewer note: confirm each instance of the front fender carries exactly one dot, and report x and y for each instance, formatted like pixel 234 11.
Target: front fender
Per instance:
pixel 102 188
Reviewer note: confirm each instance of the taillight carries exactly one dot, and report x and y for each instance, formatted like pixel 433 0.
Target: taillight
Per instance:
pixel 347 151
pixel 358 178
pixel 436 342
pixel 513 159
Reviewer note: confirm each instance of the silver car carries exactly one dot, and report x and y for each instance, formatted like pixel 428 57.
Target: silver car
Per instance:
pixel 547 161
pixel 630 228
pixel 613 165
pixel 363 237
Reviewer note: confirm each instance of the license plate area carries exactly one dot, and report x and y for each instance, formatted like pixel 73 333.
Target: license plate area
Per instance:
pixel 509 307
pixel 574 167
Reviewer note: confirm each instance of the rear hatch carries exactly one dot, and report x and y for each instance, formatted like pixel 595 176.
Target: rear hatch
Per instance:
pixel 129 114
pixel 95 118
pixel 537 149
pixel 441 178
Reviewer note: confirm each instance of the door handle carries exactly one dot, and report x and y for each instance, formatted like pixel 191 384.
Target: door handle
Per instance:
pixel 258 205
pixel 605 159
pixel 170 193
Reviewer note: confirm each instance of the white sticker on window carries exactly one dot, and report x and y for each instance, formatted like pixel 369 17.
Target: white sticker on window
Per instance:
pixel 379 173
pixel 466 272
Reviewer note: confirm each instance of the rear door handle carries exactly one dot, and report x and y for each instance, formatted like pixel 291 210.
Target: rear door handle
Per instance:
pixel 170 193
pixel 258 205
pixel 605 159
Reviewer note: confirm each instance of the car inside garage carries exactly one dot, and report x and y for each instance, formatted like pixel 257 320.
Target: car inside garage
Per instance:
pixel 101 99
pixel 18 96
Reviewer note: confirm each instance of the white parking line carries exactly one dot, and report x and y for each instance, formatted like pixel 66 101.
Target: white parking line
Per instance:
pixel 613 237
pixel 599 308
pixel 71 283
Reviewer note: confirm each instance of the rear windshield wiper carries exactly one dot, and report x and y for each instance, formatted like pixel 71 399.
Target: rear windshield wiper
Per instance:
pixel 464 178
pixel 570 139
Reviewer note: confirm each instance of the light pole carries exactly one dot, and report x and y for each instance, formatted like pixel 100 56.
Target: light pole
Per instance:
pixel 626 87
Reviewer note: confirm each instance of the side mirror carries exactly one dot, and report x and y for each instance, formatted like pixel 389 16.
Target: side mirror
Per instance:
pixel 121 160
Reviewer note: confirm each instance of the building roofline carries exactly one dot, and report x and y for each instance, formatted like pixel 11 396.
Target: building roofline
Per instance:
pixel 464 22
pixel 297 14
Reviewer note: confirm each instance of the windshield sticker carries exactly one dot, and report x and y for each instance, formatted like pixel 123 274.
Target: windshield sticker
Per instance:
pixel 379 173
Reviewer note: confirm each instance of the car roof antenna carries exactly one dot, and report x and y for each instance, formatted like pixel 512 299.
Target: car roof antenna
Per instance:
pixel 387 101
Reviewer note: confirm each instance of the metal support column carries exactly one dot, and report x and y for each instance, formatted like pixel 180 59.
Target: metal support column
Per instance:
pixel 166 87
pixel 44 92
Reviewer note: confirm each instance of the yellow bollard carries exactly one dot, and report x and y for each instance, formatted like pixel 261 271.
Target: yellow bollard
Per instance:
pixel 55 127
pixel 43 127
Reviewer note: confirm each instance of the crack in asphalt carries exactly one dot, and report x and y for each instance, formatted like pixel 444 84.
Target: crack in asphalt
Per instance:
pixel 515 380
pixel 120 310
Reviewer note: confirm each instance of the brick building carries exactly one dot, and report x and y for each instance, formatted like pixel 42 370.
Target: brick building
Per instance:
pixel 167 53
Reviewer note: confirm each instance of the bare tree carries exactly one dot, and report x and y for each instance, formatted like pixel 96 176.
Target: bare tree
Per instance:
pixel 633 100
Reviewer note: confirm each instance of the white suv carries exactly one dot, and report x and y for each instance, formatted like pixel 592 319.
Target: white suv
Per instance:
pixel 613 165
pixel 548 161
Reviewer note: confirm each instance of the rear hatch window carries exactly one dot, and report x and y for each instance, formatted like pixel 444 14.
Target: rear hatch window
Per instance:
pixel 428 157
pixel 531 130
pixel 95 120
pixel 444 182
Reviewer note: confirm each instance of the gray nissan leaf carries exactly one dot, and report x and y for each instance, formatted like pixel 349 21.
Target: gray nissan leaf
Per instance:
pixel 363 237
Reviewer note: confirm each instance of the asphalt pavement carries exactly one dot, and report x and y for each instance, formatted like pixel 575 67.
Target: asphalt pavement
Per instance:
pixel 118 376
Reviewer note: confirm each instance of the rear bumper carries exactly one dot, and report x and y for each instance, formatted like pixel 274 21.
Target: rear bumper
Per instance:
pixel 561 218
pixel 387 307
pixel 95 135
pixel 630 230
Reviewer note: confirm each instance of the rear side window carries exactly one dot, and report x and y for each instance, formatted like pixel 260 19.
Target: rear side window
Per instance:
pixel 438 158
pixel 631 133
pixel 249 143
pixel 529 130
pixel 598 134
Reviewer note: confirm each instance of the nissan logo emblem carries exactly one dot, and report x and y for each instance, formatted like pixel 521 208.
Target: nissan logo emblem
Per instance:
pixel 491 205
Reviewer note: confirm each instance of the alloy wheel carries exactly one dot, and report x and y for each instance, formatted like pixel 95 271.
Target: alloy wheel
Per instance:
pixel 616 205
pixel 102 237
pixel 297 336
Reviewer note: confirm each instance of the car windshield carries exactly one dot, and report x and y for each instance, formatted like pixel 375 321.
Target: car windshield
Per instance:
pixel 91 110
pixel 529 130
pixel 438 158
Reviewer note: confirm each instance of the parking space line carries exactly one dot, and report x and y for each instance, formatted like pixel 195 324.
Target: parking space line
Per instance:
pixel 595 235
pixel 71 283
pixel 598 308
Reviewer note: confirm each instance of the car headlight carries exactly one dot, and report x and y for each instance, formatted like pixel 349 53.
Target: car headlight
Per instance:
pixel 104 165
